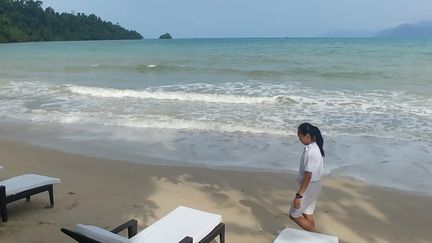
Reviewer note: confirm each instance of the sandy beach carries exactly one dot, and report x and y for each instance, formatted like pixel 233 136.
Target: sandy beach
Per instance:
pixel 253 205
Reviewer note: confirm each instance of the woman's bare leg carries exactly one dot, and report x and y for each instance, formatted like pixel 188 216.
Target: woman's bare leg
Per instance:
pixel 304 223
pixel 310 218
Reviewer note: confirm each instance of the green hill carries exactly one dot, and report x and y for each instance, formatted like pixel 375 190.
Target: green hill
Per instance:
pixel 26 20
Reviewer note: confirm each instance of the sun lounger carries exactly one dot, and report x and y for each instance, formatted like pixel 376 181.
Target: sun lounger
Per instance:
pixel 24 186
pixel 289 235
pixel 183 225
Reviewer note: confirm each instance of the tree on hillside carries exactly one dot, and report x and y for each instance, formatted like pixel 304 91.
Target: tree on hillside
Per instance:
pixel 26 20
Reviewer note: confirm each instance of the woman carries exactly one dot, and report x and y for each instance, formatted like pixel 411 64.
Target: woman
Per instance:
pixel 309 177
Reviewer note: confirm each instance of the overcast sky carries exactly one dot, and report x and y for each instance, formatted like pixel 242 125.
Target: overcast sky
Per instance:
pixel 250 18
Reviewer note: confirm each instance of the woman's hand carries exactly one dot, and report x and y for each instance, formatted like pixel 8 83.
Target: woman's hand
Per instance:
pixel 297 202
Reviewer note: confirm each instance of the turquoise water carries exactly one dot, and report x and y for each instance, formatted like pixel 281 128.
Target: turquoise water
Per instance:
pixel 232 102
pixel 323 63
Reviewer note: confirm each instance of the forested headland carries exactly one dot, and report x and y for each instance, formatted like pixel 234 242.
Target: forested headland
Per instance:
pixel 26 20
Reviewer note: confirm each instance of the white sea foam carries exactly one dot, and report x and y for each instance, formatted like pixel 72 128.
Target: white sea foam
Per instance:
pixel 182 124
pixel 151 65
pixel 154 122
pixel 228 107
pixel 180 96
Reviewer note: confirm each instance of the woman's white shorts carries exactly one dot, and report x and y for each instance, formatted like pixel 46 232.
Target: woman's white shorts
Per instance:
pixel 308 202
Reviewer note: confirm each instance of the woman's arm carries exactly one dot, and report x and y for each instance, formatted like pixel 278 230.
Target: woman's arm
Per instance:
pixel 304 184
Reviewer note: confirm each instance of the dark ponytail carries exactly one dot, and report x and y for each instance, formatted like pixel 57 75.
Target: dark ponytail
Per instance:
pixel 314 132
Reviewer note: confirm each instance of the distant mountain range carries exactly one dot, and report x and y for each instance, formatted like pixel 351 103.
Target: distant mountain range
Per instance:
pixel 348 34
pixel 415 30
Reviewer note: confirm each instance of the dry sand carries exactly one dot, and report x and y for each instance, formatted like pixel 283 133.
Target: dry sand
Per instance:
pixel 253 205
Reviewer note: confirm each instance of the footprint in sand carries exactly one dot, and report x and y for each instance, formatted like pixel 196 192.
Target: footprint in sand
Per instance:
pixel 281 216
pixel 73 205
pixel 41 222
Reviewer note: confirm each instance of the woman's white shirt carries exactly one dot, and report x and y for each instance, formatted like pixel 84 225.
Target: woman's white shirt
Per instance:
pixel 311 161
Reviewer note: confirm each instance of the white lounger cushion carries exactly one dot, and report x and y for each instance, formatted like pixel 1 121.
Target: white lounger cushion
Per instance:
pixel 100 234
pixel 178 224
pixel 300 236
pixel 25 182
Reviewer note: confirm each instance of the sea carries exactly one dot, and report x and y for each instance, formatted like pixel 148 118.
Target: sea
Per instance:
pixel 231 104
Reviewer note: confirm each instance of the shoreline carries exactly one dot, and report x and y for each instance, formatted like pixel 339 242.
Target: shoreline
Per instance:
pixel 349 157
pixel 253 205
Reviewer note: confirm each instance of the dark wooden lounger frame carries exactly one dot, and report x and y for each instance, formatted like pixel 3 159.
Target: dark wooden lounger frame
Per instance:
pixel 131 227
pixel 4 200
